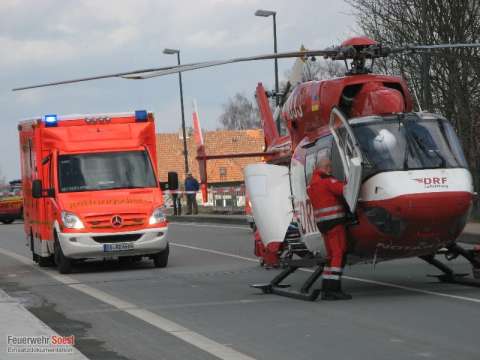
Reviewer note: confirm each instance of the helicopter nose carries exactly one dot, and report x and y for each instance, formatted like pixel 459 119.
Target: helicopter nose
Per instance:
pixel 421 214
pixel 431 206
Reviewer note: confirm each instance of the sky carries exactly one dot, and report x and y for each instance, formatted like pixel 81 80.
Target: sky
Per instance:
pixel 49 40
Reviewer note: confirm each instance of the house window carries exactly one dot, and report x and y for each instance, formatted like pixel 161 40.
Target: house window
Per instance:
pixel 223 171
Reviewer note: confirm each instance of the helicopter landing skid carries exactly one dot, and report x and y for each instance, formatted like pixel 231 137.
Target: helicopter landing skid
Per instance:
pixel 449 276
pixel 276 287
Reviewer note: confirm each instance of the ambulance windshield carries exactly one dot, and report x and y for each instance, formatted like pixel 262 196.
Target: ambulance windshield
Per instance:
pixel 105 171
pixel 407 142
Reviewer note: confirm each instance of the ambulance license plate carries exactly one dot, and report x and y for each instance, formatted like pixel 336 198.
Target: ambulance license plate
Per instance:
pixel 118 247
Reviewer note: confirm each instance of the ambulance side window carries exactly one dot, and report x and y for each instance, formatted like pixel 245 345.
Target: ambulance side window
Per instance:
pixel 30 157
pixel 50 172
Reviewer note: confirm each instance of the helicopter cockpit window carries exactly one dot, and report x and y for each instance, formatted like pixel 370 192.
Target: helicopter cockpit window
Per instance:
pixel 407 142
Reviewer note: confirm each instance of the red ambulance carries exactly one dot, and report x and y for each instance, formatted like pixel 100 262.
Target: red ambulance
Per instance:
pixel 91 190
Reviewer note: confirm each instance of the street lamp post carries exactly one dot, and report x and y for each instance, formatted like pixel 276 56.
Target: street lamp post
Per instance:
pixel 185 150
pixel 267 13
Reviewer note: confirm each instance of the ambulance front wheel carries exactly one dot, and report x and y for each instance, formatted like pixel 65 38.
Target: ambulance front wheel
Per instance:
pixel 161 259
pixel 64 264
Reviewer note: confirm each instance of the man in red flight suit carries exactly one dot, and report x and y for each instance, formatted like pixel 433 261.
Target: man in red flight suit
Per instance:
pixel 326 195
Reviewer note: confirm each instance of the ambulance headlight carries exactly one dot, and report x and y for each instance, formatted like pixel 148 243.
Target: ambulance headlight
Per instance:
pixel 141 116
pixel 71 221
pixel 157 217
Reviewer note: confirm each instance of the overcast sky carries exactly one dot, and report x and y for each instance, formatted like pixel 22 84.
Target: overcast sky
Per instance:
pixel 47 40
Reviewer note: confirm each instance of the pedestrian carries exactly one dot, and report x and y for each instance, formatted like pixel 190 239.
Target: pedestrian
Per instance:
pixel 326 196
pixel 191 188
pixel 177 202
pixel 175 193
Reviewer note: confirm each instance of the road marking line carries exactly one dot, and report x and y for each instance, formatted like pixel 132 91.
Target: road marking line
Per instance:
pixel 211 225
pixel 407 288
pixel 216 349
pixel 214 252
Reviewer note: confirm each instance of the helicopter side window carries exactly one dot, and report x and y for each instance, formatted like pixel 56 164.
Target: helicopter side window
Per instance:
pixel 315 154
pixel 310 162
pixel 337 165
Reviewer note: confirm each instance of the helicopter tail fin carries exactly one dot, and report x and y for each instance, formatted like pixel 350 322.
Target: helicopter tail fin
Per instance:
pixel 201 155
pixel 268 123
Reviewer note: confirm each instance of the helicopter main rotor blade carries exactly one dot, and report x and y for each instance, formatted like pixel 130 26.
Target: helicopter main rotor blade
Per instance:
pixel 415 48
pixel 107 76
pixel 161 71
pixel 202 65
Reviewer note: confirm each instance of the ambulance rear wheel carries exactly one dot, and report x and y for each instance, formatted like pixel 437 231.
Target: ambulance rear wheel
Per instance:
pixel 64 264
pixel 44 261
pixel 161 259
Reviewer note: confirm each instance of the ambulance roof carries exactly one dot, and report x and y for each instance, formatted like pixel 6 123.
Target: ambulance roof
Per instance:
pixel 82 116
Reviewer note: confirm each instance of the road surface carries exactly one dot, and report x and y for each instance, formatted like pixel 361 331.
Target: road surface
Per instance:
pixel 201 307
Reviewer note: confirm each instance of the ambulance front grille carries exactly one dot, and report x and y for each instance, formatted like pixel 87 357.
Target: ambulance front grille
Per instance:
pixel 105 221
pixel 116 238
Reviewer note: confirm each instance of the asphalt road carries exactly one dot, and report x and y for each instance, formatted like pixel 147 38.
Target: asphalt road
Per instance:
pixel 201 307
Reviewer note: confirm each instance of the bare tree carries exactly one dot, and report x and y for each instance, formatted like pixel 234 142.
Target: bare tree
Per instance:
pixel 322 69
pixel 318 69
pixel 446 81
pixel 239 113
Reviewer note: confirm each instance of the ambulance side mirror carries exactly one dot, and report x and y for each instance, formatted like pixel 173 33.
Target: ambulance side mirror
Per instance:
pixel 37 189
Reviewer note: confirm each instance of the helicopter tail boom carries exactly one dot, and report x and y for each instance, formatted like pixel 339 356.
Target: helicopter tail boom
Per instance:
pixel 269 129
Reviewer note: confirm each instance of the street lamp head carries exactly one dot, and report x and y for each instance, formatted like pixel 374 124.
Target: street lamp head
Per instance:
pixel 170 51
pixel 264 13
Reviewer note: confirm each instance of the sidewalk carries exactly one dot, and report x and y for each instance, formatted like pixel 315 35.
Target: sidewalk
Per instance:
pixel 17 321
pixel 471 234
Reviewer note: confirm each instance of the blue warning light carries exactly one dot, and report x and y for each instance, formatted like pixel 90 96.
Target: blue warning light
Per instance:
pixel 50 120
pixel 141 115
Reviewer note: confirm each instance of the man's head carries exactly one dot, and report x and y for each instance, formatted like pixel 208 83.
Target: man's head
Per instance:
pixel 189 175
pixel 325 166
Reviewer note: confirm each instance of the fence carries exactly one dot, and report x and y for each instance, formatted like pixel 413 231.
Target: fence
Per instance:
pixel 231 200
pixel 220 199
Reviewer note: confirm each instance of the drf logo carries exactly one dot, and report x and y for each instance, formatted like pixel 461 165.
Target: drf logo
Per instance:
pixel 430 182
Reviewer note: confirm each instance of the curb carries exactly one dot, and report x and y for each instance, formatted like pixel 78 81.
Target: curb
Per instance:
pixel 469 238
pixel 465 237
pixel 229 219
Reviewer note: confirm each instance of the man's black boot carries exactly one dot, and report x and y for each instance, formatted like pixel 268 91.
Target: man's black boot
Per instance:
pixel 327 289
pixel 333 290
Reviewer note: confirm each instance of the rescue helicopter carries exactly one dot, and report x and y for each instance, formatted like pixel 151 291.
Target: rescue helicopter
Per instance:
pixel 408 187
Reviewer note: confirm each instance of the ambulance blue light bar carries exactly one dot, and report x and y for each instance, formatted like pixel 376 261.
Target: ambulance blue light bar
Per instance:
pixel 50 120
pixel 141 115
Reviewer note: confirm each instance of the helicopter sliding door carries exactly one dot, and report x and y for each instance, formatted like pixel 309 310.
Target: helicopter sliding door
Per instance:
pixel 350 155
